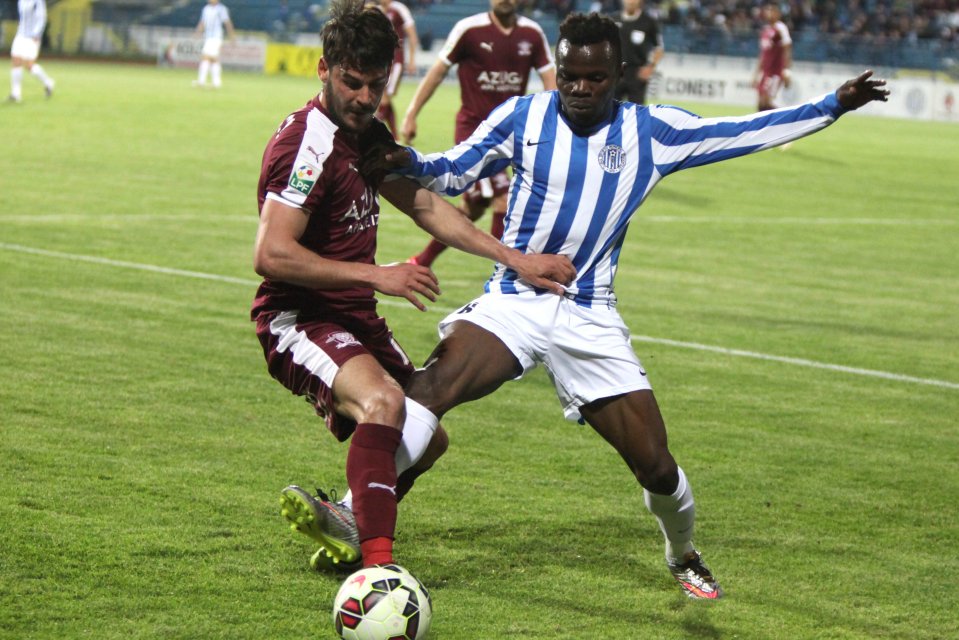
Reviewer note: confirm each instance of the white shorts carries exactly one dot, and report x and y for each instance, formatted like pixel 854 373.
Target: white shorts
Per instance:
pixel 211 47
pixel 396 72
pixel 587 352
pixel 25 48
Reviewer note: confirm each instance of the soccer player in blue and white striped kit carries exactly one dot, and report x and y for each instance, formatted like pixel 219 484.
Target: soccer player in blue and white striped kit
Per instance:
pixel 26 48
pixel 583 163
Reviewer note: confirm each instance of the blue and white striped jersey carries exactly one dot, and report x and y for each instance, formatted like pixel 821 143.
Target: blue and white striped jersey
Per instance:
pixel 213 18
pixel 33 18
pixel 574 193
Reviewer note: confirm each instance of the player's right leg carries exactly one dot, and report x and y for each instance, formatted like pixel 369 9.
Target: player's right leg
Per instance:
pixel 203 72
pixel 328 364
pixel 16 79
pixel 477 354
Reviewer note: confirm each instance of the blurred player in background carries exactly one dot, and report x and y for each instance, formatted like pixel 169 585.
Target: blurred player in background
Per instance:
pixel 315 311
pixel 26 48
pixel 214 18
pixel 405 27
pixel 584 163
pixel 495 52
pixel 772 72
pixel 642 50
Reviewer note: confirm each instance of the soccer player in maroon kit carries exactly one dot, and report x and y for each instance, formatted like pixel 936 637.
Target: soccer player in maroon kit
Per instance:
pixel 772 73
pixel 495 52
pixel 315 311
pixel 402 19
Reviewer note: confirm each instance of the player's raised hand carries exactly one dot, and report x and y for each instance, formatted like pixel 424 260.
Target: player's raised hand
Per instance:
pixel 861 91
pixel 407 281
pixel 408 129
pixel 545 271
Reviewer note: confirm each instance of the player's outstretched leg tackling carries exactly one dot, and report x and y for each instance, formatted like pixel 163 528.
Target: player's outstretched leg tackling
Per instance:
pixel 330 523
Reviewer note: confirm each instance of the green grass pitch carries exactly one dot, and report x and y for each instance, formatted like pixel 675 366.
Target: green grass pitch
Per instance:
pixel 798 313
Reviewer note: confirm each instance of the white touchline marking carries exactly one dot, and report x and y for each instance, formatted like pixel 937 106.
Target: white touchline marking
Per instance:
pixel 127 265
pixel 739 353
pixel 802 362
pixel 895 222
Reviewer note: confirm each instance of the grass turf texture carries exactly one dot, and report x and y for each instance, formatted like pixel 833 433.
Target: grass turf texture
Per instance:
pixel 143 444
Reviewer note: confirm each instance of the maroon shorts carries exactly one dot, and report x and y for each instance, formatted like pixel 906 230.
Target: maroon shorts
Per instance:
pixel 305 354
pixel 481 191
pixel 486 189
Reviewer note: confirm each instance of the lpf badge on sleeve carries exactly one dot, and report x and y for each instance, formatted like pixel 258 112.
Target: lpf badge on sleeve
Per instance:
pixel 303 178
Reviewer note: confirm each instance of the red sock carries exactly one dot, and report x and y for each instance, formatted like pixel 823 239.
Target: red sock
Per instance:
pixel 428 255
pixel 498 225
pixel 371 474
pixel 377 551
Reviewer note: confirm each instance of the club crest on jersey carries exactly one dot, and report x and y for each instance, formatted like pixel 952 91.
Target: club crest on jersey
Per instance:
pixel 303 178
pixel 612 158
pixel 342 339
pixel 525 49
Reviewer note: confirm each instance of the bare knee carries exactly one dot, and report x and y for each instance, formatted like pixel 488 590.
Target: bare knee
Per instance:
pixel 659 475
pixel 384 405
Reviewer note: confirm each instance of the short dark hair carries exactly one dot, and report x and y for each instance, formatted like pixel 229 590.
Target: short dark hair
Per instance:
pixel 582 29
pixel 358 36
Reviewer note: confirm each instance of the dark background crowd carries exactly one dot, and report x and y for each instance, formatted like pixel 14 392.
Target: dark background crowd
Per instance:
pixel 891 20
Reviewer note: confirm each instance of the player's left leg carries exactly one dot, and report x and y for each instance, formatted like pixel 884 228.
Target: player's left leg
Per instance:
pixel 42 76
pixel 633 424
pixel 385 110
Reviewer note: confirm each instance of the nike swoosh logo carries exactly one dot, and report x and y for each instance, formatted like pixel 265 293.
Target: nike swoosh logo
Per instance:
pixel 530 143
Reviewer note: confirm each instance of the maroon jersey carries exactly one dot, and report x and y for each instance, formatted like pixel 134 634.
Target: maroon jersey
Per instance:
pixel 493 66
pixel 401 18
pixel 312 165
pixel 772 39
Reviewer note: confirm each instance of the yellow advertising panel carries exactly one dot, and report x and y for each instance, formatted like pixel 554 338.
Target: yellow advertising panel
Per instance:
pixel 292 59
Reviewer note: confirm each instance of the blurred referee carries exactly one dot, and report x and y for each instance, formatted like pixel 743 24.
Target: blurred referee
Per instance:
pixel 642 50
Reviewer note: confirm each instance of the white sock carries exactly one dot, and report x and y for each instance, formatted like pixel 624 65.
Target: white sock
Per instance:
pixel 418 430
pixel 38 71
pixel 215 69
pixel 676 514
pixel 16 82
pixel 204 70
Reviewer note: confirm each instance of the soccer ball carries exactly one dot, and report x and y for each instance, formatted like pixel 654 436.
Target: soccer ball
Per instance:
pixel 385 602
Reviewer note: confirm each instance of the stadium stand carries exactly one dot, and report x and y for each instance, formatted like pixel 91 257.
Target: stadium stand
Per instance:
pixel 920 34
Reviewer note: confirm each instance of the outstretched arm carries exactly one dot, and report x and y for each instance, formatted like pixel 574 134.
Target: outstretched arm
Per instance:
pixel 861 90
pixel 279 255
pixel 448 225
pixel 686 140
pixel 423 93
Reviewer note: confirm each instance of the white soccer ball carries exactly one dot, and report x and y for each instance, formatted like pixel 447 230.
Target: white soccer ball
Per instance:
pixel 384 602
